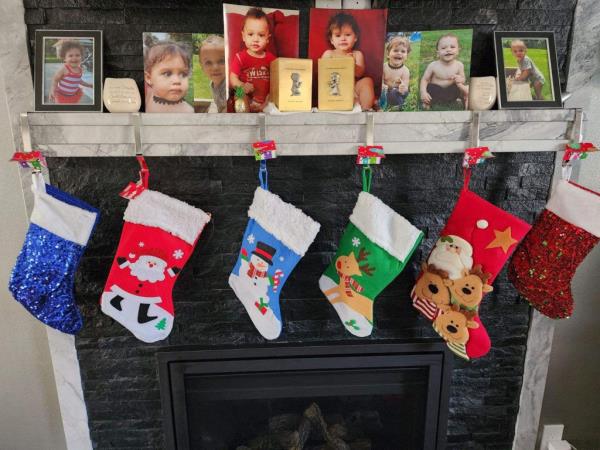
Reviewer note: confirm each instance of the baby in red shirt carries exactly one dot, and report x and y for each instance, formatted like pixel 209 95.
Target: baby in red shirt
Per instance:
pixel 250 67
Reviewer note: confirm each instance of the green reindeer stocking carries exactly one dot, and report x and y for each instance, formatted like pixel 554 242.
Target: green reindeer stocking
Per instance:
pixel 375 247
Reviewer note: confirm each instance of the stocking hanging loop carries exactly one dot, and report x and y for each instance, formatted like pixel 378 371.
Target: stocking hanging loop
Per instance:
pixel 367 176
pixel 263 175
pixel 466 178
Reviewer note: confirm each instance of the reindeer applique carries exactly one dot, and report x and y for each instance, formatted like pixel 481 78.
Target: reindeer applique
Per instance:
pixel 348 289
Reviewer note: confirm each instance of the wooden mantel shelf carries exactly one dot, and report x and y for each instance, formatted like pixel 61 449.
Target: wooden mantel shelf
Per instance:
pixel 105 134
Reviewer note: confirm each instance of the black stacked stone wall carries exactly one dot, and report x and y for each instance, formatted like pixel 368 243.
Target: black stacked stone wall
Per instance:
pixel 119 373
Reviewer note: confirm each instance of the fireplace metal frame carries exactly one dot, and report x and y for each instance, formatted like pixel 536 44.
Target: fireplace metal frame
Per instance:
pixel 175 364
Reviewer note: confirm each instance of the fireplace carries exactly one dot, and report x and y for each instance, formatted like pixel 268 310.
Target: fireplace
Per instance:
pixel 369 396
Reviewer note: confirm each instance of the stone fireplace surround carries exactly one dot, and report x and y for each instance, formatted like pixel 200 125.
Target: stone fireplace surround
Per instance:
pixel 475 379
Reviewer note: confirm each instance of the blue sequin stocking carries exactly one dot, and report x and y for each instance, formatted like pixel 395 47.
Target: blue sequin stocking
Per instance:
pixel 42 279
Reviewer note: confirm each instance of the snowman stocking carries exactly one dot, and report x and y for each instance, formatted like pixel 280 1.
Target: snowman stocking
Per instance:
pixel 42 279
pixel 565 232
pixel 276 237
pixel 473 246
pixel 375 247
pixel 158 237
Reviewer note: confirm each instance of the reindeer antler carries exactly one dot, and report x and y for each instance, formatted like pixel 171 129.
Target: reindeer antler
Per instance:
pixel 362 255
pixel 367 269
pixel 469 314
pixel 478 270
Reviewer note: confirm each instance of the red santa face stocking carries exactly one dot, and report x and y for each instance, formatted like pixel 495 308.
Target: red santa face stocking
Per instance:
pixel 565 232
pixel 474 245
pixel 158 237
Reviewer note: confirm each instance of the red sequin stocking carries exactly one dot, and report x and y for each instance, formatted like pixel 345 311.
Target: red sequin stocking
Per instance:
pixel 544 264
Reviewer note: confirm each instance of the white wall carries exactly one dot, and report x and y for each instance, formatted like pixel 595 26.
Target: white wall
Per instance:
pixel 572 394
pixel 29 413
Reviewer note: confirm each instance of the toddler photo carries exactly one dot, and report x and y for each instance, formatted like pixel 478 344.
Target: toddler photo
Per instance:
pixel 254 37
pixel 210 93
pixel 526 69
pixel 167 72
pixel 359 34
pixel 445 64
pixel 400 86
pixel 68 71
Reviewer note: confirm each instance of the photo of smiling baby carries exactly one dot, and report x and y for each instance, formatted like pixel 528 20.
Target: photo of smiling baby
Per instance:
pixel 445 64
pixel 400 87
pixel 167 72
pixel 426 70
pixel 351 33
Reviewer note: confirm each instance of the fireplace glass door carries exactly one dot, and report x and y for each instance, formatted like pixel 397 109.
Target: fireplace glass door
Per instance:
pixel 307 401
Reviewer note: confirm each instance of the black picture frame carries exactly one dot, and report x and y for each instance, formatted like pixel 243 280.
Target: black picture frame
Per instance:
pixel 45 63
pixel 504 94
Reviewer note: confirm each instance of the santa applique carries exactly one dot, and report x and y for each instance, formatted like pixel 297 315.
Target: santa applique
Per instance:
pixel 151 266
pixel 140 284
pixel 452 254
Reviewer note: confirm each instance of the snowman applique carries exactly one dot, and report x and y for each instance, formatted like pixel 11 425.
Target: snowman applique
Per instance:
pixel 251 285
pixel 139 287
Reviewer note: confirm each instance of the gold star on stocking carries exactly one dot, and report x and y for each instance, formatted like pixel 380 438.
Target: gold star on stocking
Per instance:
pixel 503 239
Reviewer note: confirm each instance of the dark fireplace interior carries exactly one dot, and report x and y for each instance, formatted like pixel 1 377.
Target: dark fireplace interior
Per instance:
pixel 337 397
pixel 120 374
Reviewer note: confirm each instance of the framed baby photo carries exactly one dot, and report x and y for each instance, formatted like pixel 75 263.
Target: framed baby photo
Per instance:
pixel 527 69
pixel 68 70
pixel 168 72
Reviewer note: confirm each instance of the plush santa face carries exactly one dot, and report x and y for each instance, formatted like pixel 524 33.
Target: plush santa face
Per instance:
pixel 149 268
pixel 452 254
pixel 259 263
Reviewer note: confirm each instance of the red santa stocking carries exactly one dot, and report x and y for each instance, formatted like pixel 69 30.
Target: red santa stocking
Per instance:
pixel 158 237
pixel 565 232
pixel 473 246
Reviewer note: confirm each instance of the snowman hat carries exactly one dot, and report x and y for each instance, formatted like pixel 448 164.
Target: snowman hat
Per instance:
pixel 264 252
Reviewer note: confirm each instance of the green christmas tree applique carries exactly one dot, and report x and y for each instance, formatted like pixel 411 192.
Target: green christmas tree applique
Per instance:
pixel 162 324
pixel 352 324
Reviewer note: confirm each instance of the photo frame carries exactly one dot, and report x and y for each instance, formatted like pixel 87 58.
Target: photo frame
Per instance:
pixel 527 69
pixel 68 70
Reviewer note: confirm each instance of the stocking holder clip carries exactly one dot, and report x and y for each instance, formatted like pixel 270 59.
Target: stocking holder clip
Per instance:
pixel 475 154
pixel 28 158
pixel 369 154
pixel 137 133
pixel 575 148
